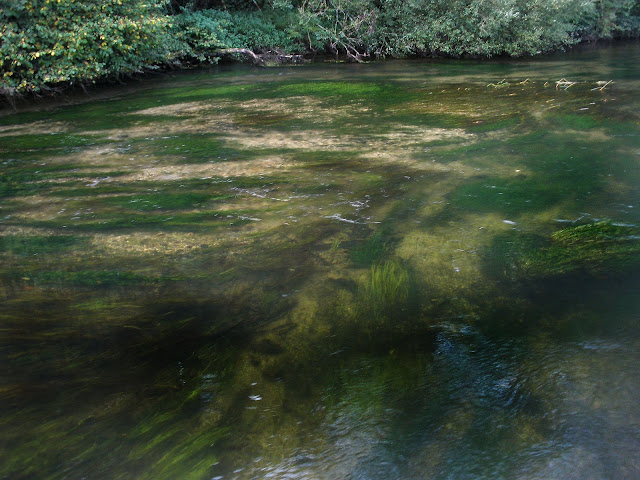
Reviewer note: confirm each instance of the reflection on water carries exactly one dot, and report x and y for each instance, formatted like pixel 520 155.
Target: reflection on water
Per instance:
pixel 475 409
pixel 398 270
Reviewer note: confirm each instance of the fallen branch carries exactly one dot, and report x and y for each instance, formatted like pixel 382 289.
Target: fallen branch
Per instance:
pixel 564 83
pixel 263 59
pixel 500 84
pixel 602 85
pixel 240 51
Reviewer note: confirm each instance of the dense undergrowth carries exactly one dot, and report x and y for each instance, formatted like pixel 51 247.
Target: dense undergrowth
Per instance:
pixel 45 44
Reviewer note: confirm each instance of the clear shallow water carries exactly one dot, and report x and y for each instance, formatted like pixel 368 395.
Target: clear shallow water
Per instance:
pixel 394 270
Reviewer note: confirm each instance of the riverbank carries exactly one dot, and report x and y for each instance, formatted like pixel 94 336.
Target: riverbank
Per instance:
pixel 106 88
pixel 47 47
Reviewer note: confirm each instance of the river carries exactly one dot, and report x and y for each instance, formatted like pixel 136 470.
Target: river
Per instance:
pixel 394 270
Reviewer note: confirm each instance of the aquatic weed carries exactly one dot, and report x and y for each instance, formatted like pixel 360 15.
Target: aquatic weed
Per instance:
pixel 596 248
pixel 369 251
pixel 386 291
pixel 24 246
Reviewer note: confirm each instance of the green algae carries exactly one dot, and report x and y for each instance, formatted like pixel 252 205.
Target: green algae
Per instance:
pixel 555 173
pixel 324 158
pixel 146 221
pixel 34 142
pixel 162 201
pixel 151 331
pixel 235 92
pixel 26 246
pixel 575 121
pixel 347 90
pixel 267 120
pixel 596 248
pixel 508 196
pixel 472 154
pixel 369 251
pixel 191 148
pixel 88 278
pixel 489 125
pixel 19 180
pixel 214 186
pixel 504 256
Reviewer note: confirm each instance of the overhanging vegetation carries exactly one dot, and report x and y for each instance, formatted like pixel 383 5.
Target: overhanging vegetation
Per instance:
pixel 47 43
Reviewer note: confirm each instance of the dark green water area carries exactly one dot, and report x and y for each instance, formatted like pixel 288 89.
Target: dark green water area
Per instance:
pixel 397 270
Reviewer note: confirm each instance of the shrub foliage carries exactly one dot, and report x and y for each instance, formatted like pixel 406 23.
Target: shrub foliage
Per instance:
pixel 47 42
pixel 44 43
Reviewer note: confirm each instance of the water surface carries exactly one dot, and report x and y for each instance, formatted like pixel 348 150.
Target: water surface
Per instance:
pixel 398 270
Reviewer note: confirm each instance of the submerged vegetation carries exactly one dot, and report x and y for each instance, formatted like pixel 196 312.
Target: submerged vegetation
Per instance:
pixel 386 291
pixel 45 44
pixel 595 248
pixel 601 249
pixel 356 271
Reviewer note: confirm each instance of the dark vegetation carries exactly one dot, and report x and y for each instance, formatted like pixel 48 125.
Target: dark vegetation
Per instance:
pixel 45 44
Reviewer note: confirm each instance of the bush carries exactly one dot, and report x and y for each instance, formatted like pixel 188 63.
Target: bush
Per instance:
pixel 44 43
pixel 338 26
pixel 196 34
pixel 203 32
pixel 513 27
pixel 260 31
pixel 447 27
pixel 47 42
pixel 613 19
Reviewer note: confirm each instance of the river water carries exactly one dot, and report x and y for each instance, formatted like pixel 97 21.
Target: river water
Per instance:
pixel 395 270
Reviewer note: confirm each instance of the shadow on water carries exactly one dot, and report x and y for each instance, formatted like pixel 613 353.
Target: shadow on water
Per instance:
pixel 137 375
pixel 568 277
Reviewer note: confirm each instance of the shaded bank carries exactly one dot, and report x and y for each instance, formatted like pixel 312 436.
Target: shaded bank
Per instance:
pixel 46 46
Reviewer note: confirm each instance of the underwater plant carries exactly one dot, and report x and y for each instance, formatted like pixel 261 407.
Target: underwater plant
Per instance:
pixel 595 248
pixel 369 251
pixel 386 291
